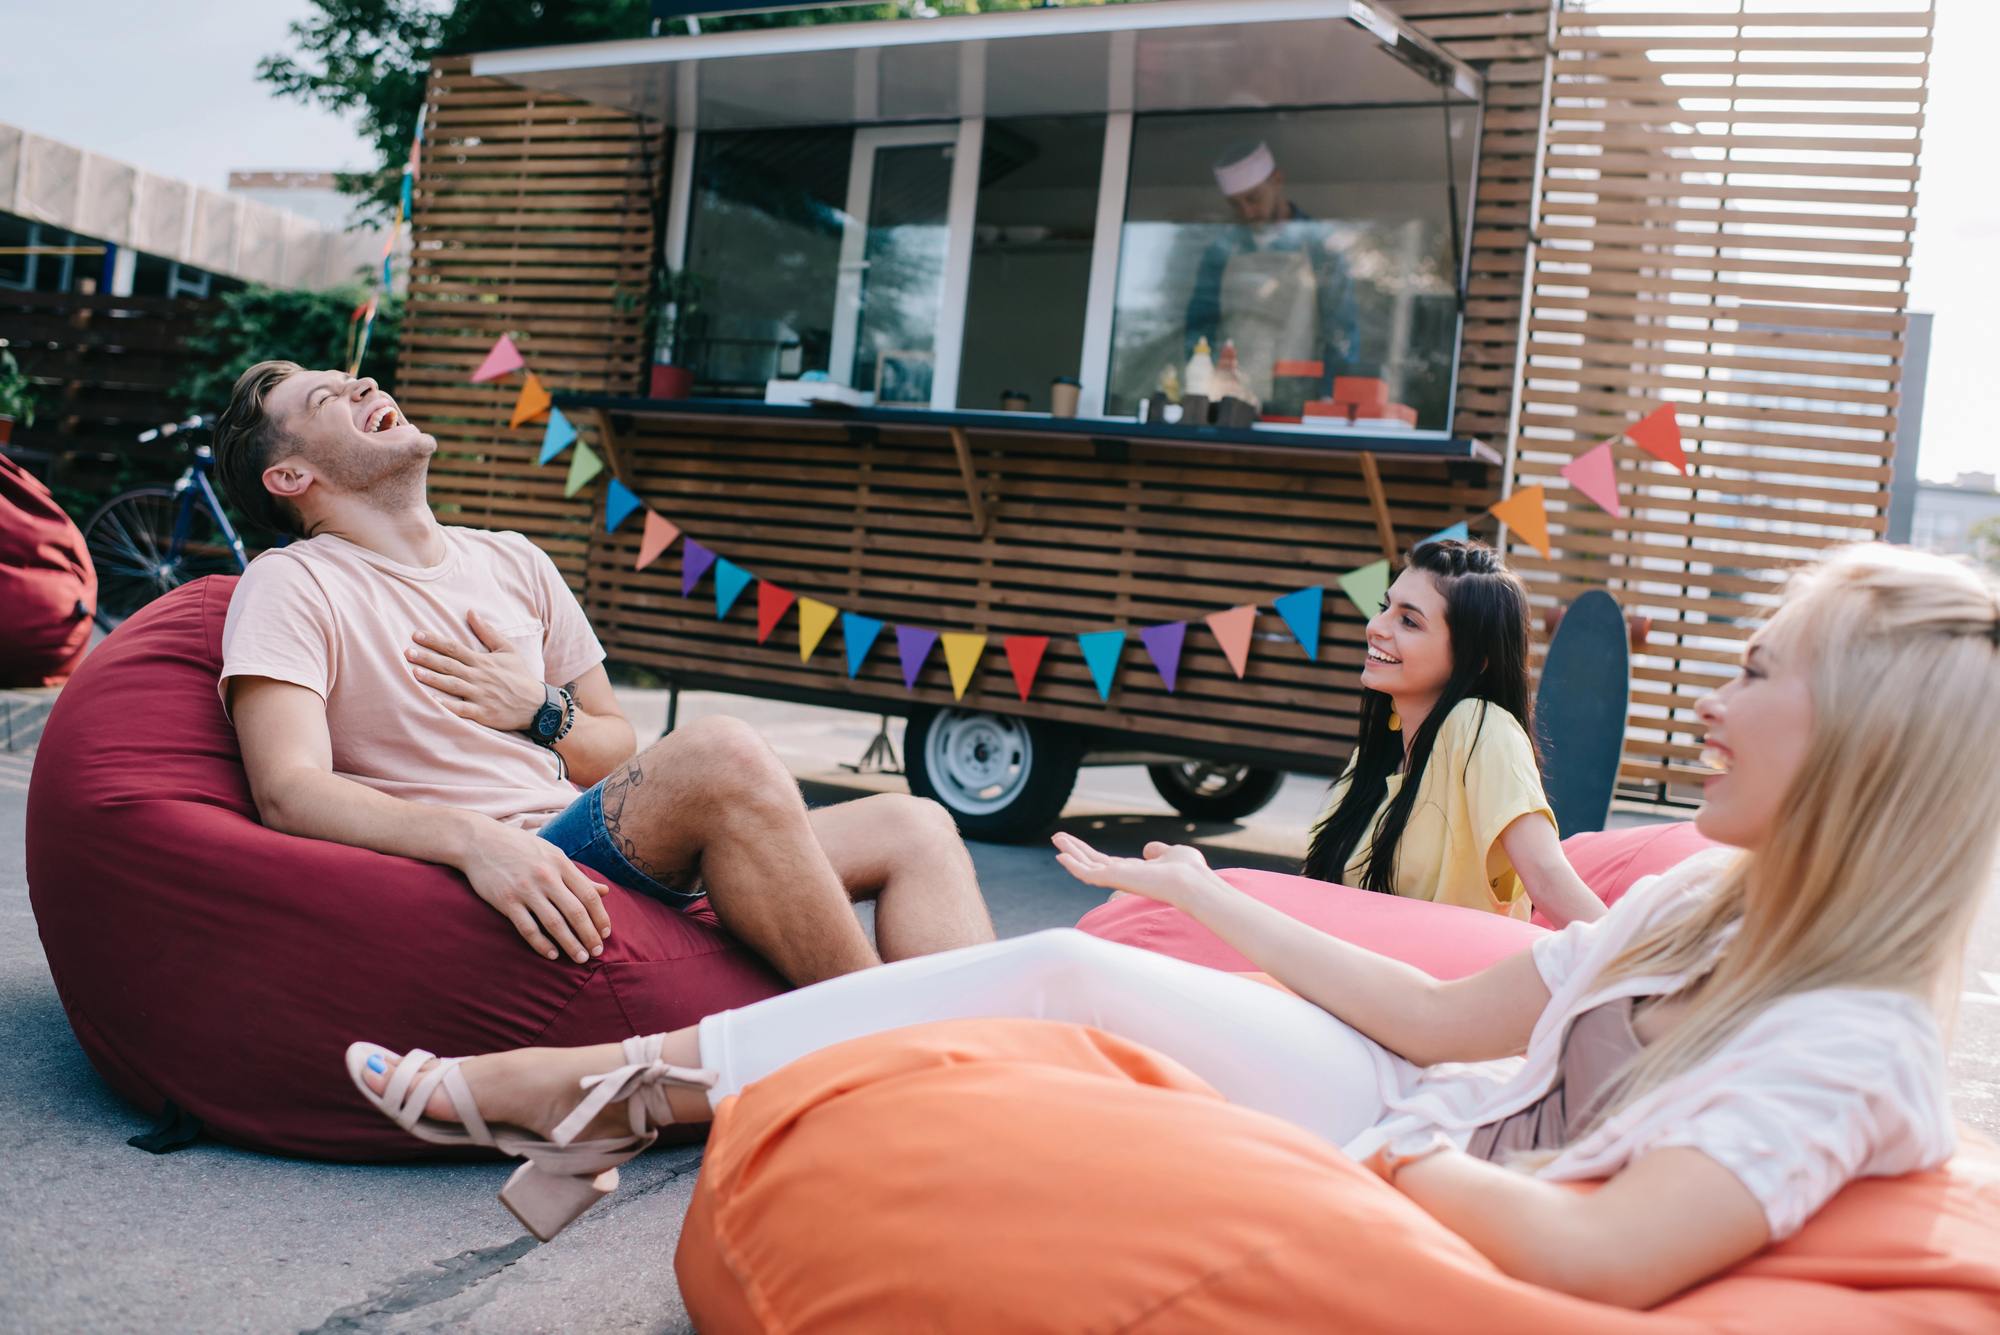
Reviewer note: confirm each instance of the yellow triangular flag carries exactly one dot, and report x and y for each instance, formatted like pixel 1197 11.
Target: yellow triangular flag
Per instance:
pixel 534 401
pixel 814 617
pixel 583 466
pixel 1526 513
pixel 961 655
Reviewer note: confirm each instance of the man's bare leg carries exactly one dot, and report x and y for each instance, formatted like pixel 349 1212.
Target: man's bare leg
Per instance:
pixel 905 854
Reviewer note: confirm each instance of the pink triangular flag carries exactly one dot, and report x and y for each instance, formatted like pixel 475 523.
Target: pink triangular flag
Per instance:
pixel 1595 474
pixel 504 358
pixel 660 535
pixel 1233 629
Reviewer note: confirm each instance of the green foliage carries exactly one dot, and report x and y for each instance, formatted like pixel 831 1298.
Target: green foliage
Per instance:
pixel 275 324
pixel 17 391
pixel 1985 535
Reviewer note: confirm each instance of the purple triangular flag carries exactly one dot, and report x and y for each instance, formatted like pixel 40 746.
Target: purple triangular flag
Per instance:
pixel 1163 646
pixel 913 645
pixel 695 561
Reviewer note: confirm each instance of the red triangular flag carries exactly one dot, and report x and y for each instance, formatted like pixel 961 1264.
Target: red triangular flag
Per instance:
pixel 1658 433
pixel 1024 656
pixel 660 534
pixel 504 358
pixel 771 604
pixel 1233 629
pixel 1595 474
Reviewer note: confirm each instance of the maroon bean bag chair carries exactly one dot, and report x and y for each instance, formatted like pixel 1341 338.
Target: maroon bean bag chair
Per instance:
pixel 48 587
pixel 206 960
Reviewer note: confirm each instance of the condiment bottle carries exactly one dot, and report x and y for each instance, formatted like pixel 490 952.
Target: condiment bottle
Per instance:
pixel 1200 370
pixel 1170 384
pixel 1227 380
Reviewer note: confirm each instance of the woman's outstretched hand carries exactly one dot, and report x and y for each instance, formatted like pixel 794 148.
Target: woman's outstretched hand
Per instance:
pixel 1167 872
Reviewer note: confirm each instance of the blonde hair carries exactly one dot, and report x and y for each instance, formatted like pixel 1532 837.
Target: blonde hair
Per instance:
pixel 1885 840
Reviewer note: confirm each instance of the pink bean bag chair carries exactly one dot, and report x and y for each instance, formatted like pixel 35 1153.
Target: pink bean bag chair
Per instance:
pixel 48 586
pixel 208 961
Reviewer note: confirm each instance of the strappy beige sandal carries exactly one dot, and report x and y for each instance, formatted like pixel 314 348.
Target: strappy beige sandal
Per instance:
pixel 562 1177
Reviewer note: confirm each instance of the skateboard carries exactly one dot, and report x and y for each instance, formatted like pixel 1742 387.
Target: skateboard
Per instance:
pixel 1580 711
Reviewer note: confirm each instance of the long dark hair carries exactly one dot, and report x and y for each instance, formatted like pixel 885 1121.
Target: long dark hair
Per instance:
pixel 1486 611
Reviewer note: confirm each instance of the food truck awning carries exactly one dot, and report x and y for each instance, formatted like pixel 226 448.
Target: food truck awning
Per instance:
pixel 1163 55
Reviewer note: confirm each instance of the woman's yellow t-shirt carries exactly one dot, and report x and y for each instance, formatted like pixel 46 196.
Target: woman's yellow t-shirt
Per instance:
pixel 1481 778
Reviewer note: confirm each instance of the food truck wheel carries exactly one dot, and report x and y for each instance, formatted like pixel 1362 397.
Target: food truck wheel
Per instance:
pixel 1000 776
pixel 1200 790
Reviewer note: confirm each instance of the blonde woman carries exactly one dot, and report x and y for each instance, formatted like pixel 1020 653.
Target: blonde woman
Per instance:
pixel 1729 1046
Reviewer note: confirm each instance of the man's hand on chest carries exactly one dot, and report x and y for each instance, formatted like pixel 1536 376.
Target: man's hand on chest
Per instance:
pixel 495 686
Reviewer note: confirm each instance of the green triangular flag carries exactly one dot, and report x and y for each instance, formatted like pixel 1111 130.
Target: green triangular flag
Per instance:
pixel 583 466
pixel 1367 587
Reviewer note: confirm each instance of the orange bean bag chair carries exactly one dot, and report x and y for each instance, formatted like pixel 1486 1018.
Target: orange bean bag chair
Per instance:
pixel 1020 1176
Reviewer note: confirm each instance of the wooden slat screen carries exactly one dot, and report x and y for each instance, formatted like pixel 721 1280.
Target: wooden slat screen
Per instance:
pixel 1724 222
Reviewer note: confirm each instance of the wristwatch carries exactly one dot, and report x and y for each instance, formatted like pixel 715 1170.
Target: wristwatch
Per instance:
pixel 552 721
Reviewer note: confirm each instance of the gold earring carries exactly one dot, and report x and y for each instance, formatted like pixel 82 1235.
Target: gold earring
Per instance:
pixel 1395 721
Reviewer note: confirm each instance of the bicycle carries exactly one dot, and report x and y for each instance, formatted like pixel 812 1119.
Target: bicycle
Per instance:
pixel 155 539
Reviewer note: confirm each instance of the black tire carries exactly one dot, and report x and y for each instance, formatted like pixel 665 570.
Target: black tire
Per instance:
pixel 128 538
pixel 1201 790
pixel 1027 767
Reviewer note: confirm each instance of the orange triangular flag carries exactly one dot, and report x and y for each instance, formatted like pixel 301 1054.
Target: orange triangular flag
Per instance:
pixel 660 534
pixel 534 401
pixel 771 604
pixel 1658 433
pixel 1526 513
pixel 1233 629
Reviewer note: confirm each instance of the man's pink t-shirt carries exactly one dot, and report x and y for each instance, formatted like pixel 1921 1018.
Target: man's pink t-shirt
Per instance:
pixel 336 619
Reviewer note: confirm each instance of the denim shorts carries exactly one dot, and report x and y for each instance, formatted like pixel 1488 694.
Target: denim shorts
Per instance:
pixel 578 830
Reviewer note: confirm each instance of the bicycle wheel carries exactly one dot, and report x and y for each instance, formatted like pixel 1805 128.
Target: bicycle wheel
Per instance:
pixel 130 540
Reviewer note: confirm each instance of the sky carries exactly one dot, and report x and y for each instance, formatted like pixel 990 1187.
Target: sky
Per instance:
pixel 174 89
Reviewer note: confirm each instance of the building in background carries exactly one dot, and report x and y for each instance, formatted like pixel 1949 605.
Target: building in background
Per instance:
pixel 1949 517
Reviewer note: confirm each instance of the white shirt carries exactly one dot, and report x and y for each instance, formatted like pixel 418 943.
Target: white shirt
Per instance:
pixel 1821 1088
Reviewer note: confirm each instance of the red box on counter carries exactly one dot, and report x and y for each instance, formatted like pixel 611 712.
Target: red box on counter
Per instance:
pixel 1392 411
pixel 1310 370
pixel 1360 391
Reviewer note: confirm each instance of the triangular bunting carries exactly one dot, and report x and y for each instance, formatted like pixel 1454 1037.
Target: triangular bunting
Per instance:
pixel 1101 649
pixel 1024 659
pixel 1595 474
pixel 504 359
pixel 583 466
pixel 557 438
pixel 1367 587
pixel 860 633
pixel 962 654
pixel 730 581
pixel 619 503
pixel 1526 513
pixel 695 561
pixel 1458 531
pixel 660 534
pixel 1301 612
pixel 814 617
pixel 771 604
pixel 1658 433
pixel 534 401
pixel 1233 629
pixel 913 646
pixel 1163 646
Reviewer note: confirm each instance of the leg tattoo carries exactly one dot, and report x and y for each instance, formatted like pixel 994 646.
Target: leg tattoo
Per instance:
pixel 618 789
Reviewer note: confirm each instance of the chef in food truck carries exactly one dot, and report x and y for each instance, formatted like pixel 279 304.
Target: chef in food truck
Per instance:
pixel 1273 285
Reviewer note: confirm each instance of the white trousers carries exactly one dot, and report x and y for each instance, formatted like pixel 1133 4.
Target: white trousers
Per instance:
pixel 1258 1047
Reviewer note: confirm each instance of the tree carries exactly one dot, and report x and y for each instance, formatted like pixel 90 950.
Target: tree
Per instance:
pixel 279 324
pixel 1985 535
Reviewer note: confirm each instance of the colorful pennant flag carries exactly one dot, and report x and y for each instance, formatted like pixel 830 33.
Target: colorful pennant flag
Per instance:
pixel 860 633
pixel 814 617
pixel 660 534
pixel 1101 649
pixel 730 581
pixel 695 561
pixel 771 604
pixel 1301 611
pixel 1595 474
pixel 962 653
pixel 1458 531
pixel 619 503
pixel 1163 646
pixel 913 646
pixel 1526 513
pixel 1024 659
pixel 534 401
pixel 1658 433
pixel 557 438
pixel 583 466
pixel 1232 629
pixel 504 359
pixel 1367 587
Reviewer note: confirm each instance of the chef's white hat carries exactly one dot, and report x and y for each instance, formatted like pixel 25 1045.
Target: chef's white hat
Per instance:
pixel 1244 166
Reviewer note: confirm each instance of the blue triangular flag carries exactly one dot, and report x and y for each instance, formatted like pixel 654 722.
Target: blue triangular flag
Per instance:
pixel 1458 530
pixel 730 580
pixel 860 633
pixel 619 503
pixel 1100 650
pixel 557 437
pixel 1301 613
